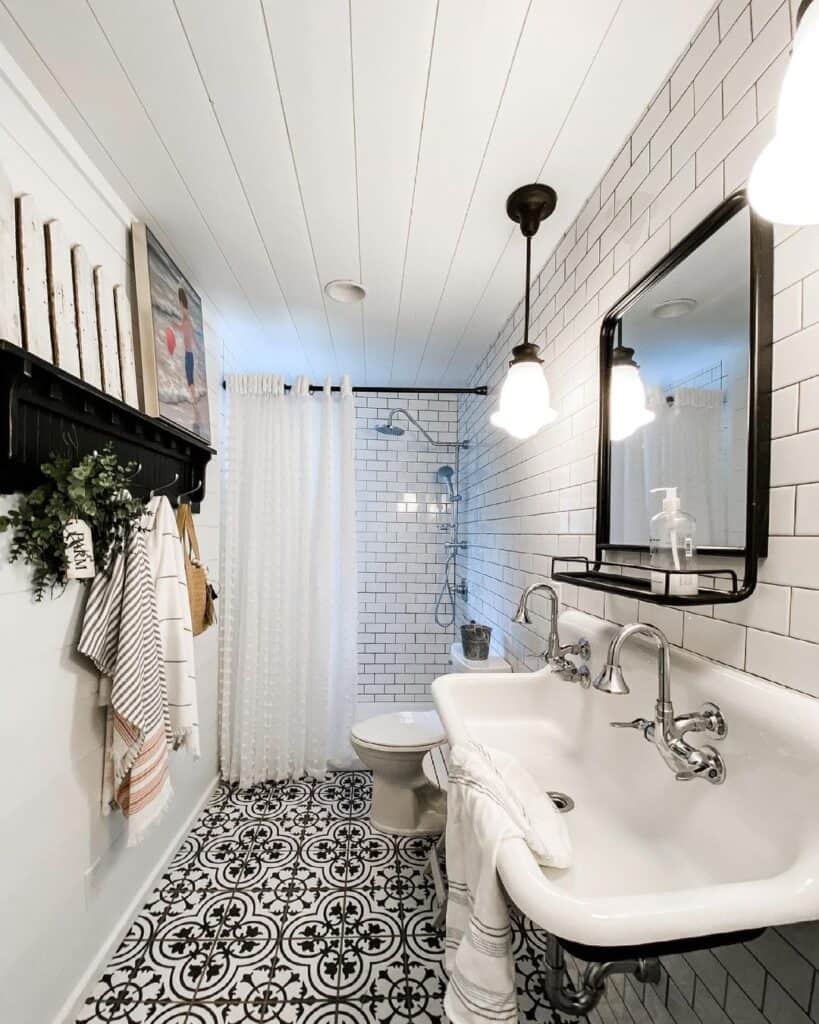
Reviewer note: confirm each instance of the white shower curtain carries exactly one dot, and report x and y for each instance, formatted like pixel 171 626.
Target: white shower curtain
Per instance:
pixel 288 615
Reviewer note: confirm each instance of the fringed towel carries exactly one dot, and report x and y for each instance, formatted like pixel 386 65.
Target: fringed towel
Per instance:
pixel 120 634
pixel 491 798
pixel 167 564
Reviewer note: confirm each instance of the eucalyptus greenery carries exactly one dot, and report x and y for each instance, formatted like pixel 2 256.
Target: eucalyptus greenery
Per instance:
pixel 95 490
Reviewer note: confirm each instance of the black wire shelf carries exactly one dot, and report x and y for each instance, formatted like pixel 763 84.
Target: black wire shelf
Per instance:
pixel 633 579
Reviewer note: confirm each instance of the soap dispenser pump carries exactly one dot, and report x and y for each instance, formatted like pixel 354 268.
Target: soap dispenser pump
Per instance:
pixel 671 534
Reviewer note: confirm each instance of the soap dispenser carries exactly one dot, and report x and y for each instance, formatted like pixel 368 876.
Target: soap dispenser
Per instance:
pixel 671 536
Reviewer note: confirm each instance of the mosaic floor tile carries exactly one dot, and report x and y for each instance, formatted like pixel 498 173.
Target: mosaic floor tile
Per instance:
pixel 284 906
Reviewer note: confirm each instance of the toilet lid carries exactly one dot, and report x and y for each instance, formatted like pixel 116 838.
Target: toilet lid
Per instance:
pixel 405 729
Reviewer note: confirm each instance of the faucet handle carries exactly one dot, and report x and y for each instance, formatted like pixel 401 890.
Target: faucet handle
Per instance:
pixel 705 763
pixel 582 649
pixel 641 724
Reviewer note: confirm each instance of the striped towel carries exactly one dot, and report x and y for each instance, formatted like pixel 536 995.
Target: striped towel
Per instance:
pixel 167 563
pixel 491 798
pixel 120 634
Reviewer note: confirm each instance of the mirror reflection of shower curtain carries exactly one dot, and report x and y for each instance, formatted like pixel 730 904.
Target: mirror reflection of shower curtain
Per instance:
pixel 682 448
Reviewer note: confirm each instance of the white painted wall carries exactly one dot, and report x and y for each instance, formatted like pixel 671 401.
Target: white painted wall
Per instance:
pixel 55 924
pixel 526 502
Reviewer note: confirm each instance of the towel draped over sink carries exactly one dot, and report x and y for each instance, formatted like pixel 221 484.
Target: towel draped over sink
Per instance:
pixel 491 798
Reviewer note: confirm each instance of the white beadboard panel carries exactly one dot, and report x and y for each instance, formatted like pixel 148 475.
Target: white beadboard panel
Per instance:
pixel 9 298
pixel 31 268
pixel 62 314
pixel 107 334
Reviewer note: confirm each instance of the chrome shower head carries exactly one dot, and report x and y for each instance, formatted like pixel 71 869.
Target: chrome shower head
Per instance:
pixel 611 680
pixel 389 430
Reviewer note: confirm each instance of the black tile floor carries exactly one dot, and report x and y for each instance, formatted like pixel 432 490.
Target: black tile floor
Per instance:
pixel 284 905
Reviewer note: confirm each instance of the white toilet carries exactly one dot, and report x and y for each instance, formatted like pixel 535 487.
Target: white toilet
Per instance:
pixel 393 747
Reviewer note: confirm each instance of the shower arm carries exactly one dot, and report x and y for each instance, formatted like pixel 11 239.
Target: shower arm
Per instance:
pixel 420 429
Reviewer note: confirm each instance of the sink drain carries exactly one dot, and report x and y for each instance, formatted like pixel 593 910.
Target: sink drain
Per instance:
pixel 561 801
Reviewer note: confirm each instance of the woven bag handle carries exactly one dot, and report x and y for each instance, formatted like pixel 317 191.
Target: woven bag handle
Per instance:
pixel 187 531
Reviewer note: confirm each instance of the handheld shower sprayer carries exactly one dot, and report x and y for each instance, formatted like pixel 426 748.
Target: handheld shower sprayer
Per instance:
pixel 445 476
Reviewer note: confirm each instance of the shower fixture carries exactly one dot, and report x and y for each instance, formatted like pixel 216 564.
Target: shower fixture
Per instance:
pixel 390 430
pixel 445 475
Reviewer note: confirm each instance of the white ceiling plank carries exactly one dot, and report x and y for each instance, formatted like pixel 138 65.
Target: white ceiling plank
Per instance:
pixel 310 45
pixel 256 134
pixel 150 42
pixel 548 71
pixel 609 105
pixel 390 89
pixel 274 146
pixel 65 53
pixel 475 45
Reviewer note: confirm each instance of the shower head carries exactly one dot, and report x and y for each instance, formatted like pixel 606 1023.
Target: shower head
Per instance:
pixel 445 476
pixel 389 430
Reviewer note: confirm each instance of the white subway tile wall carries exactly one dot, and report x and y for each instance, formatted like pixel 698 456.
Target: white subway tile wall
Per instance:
pixel 526 502
pixel 402 516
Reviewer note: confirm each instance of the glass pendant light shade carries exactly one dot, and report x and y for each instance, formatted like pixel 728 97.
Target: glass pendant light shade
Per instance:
pixel 524 406
pixel 784 184
pixel 627 396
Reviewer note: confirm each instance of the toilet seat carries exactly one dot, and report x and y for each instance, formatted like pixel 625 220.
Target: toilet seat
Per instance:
pixel 401 731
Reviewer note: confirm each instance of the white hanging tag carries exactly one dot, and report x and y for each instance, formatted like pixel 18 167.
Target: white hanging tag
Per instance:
pixel 79 550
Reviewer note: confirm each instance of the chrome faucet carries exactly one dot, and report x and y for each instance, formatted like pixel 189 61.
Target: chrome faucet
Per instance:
pixel 556 655
pixel 667 732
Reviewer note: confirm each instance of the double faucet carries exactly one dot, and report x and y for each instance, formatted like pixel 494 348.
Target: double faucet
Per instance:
pixel 668 731
pixel 556 654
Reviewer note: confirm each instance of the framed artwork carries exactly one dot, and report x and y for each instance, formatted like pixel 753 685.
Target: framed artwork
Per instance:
pixel 171 338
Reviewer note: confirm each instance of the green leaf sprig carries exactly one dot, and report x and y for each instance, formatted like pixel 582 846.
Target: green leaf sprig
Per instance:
pixel 96 490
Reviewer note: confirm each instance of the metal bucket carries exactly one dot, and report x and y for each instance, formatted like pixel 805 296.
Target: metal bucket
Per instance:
pixel 475 640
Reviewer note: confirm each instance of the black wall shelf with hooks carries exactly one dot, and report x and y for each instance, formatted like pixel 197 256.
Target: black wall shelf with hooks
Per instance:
pixel 45 411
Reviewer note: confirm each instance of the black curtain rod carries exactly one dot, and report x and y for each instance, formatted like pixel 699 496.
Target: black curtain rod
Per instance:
pixel 397 391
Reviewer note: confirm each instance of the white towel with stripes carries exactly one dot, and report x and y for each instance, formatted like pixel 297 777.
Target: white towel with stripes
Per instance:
pixel 120 633
pixel 491 798
pixel 167 563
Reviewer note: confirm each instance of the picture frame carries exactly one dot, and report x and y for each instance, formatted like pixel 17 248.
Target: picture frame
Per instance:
pixel 171 345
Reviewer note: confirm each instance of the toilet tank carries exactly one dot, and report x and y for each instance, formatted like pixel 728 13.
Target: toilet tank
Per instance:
pixel 494 663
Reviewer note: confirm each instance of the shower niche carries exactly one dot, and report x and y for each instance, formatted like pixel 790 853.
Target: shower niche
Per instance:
pixel 685 402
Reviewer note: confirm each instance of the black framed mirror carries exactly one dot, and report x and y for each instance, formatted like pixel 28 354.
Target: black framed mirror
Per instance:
pixel 685 403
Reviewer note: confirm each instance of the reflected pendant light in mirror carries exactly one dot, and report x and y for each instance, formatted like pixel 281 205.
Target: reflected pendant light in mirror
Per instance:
pixel 784 184
pixel 627 394
pixel 524 406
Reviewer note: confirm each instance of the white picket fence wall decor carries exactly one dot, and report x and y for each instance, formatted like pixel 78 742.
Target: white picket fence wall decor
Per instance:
pixel 61 300
pixel 9 298
pixel 56 306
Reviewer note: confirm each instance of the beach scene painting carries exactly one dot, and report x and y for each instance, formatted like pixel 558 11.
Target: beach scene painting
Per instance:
pixel 172 339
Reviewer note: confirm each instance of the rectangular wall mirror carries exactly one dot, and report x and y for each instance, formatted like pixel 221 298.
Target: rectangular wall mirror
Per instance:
pixel 700 327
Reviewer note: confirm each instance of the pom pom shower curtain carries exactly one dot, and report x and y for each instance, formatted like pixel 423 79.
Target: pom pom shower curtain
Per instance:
pixel 288 615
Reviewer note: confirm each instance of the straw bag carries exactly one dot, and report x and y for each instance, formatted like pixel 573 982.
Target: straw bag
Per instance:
pixel 200 593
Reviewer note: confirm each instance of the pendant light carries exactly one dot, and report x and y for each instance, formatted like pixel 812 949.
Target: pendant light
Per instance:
pixel 627 395
pixel 524 406
pixel 784 184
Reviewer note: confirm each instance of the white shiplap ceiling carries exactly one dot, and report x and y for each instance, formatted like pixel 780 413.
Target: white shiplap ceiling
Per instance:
pixel 275 145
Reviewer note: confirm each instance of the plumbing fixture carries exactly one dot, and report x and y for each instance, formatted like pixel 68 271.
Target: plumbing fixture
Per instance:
pixel 462 590
pixel 667 732
pixel 555 653
pixel 579 1000
pixel 445 475
pixel 390 430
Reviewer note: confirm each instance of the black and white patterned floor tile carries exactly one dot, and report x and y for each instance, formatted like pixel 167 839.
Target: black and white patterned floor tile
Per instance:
pixel 284 906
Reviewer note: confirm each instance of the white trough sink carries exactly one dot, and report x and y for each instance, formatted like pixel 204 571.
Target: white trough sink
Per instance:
pixel 655 859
